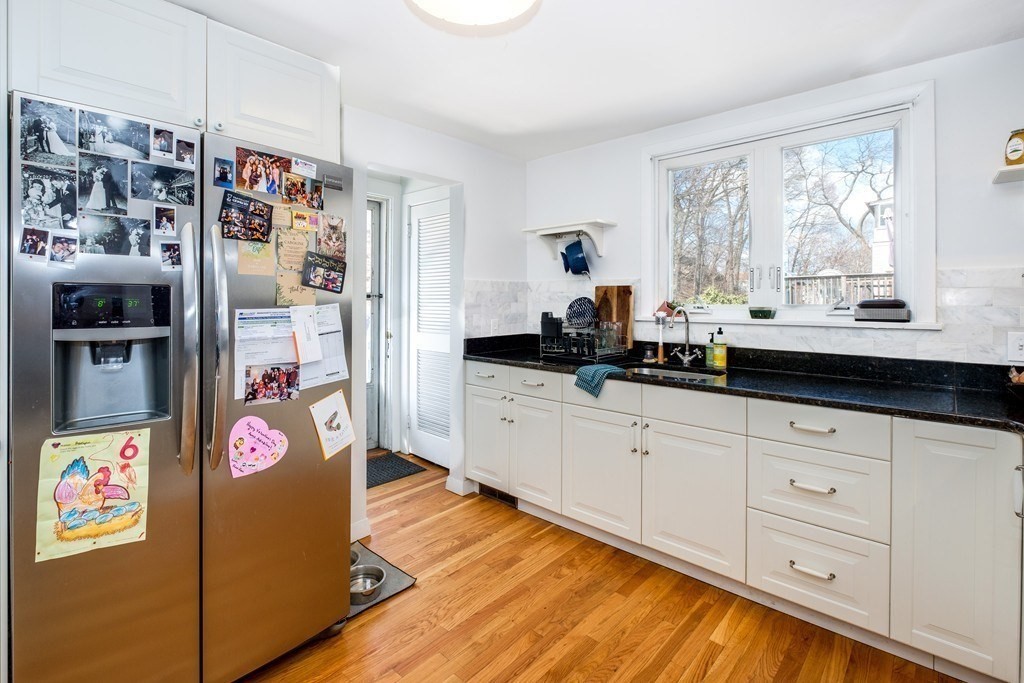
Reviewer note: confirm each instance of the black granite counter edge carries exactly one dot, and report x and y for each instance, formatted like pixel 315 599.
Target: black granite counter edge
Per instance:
pixel 992 421
pixel 876 368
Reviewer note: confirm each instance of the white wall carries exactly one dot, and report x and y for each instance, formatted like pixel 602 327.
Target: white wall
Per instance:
pixel 495 185
pixel 979 225
pixel 488 198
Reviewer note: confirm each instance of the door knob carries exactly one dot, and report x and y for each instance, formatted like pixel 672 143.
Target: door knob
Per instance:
pixel 218 126
pixel 199 121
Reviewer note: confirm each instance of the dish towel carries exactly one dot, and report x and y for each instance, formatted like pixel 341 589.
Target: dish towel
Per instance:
pixel 590 378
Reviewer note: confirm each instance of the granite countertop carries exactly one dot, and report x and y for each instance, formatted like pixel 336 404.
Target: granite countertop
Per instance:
pixel 938 395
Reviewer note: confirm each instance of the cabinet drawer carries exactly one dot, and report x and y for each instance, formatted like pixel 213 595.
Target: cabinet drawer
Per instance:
pixel 847 431
pixel 845 493
pixel 538 383
pixel 621 397
pixel 487 375
pixel 696 408
pixel 832 573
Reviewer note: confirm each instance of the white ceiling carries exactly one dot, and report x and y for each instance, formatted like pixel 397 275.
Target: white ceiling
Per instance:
pixel 584 71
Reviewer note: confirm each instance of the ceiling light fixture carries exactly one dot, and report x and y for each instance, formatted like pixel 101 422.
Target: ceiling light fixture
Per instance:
pixel 475 17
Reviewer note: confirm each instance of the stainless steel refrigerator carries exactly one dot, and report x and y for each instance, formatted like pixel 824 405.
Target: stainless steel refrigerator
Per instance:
pixel 134 552
pixel 276 543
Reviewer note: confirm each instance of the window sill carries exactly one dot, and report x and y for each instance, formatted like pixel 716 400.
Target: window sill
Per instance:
pixel 841 322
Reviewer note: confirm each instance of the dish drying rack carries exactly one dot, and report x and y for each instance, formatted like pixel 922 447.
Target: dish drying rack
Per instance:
pixel 587 344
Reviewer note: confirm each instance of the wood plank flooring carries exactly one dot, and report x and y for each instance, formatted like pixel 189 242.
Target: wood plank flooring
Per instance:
pixel 503 596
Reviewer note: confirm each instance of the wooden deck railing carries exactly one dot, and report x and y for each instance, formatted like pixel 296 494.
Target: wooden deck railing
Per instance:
pixel 826 289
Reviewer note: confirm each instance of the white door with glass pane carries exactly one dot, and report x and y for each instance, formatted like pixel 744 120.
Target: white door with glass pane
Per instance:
pixel 430 362
pixel 374 309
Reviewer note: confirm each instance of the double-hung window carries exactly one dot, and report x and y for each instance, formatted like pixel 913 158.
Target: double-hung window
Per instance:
pixel 810 219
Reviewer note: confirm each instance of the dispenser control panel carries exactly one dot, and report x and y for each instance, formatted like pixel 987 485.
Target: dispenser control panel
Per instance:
pixel 98 306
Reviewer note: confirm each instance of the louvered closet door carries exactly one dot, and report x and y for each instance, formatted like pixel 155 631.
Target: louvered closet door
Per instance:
pixel 430 327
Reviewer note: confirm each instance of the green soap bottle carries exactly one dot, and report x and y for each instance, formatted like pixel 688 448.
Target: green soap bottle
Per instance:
pixel 709 352
pixel 720 349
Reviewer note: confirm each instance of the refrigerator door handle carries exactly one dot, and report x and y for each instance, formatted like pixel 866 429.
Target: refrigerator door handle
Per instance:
pixel 222 331
pixel 190 310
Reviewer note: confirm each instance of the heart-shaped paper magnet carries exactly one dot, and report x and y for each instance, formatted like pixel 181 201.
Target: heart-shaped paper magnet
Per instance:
pixel 253 446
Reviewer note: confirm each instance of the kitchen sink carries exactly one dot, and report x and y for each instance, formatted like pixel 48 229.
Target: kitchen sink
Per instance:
pixel 686 375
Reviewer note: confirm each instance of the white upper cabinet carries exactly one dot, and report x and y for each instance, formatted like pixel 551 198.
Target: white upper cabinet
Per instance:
pixel 267 94
pixel 141 57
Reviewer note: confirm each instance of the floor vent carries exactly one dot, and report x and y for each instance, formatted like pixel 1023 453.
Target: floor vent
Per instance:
pixel 499 496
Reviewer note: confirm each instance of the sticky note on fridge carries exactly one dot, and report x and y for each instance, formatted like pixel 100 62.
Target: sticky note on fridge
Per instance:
pixel 307 338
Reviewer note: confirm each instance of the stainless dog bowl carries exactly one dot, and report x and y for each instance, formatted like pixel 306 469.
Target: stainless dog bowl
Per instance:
pixel 353 558
pixel 364 583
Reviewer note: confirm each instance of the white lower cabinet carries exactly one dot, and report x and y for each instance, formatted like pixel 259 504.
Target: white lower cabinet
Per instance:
pixel 487 436
pixel 956 544
pixel 694 495
pixel 514 444
pixel 601 466
pixel 836 574
pixel 535 451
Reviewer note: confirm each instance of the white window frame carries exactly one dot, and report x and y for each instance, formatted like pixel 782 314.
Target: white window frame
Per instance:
pixel 911 110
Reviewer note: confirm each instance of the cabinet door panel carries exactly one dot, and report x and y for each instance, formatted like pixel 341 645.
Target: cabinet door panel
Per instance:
pixel 694 496
pixel 956 544
pixel 600 471
pixel 141 57
pixel 268 94
pixel 487 437
pixel 536 451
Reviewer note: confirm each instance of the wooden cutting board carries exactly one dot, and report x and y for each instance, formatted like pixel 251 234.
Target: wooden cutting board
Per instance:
pixel 615 304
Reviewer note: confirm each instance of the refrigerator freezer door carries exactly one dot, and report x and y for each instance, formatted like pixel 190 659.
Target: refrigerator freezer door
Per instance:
pixel 275 542
pixel 128 610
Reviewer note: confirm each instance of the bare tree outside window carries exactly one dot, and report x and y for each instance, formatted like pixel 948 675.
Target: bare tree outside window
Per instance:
pixel 838 219
pixel 710 232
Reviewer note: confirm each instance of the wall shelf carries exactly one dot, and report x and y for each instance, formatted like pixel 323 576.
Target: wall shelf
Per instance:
pixel 1009 174
pixel 593 228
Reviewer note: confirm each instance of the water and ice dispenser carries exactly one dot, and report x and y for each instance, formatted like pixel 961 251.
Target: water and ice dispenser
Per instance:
pixel 111 354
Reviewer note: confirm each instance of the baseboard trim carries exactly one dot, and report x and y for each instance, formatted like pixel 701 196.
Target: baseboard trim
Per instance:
pixel 743 590
pixel 360 529
pixel 460 486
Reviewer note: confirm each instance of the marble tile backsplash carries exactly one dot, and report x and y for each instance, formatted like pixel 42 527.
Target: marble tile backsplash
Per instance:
pixel 496 307
pixel 976 307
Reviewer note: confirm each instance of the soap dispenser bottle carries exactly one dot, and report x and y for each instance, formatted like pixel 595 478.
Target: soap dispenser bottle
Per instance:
pixel 709 351
pixel 720 349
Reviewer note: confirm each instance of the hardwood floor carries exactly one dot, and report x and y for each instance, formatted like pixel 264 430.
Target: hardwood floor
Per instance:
pixel 503 596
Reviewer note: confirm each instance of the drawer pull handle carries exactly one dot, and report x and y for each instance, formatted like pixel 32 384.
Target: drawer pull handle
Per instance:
pixel 480 374
pixel 533 384
pixel 811 572
pixel 813 489
pixel 1018 491
pixel 812 430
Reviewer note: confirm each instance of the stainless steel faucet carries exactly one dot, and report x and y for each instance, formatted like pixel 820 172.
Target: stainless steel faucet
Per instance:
pixel 686 356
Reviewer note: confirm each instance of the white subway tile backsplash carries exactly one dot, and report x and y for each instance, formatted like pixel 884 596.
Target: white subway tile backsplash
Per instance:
pixel 1008 296
pixel 994 277
pixel 966 296
pixel 937 350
